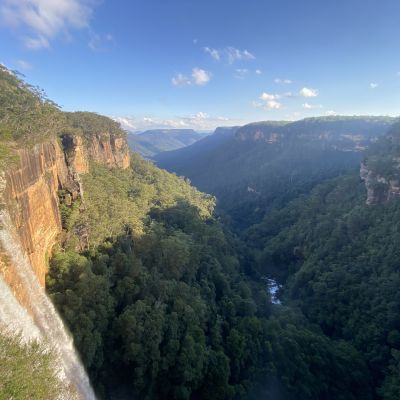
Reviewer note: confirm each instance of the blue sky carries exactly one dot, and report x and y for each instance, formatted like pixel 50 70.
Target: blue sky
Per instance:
pixel 201 64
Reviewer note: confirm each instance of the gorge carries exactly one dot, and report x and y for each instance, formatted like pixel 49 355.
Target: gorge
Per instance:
pixel 165 297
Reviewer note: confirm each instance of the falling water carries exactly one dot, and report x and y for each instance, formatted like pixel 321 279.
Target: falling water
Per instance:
pixel 273 289
pixel 47 322
pixel 14 317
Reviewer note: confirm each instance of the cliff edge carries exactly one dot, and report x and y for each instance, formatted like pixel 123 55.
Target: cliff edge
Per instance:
pixel 32 185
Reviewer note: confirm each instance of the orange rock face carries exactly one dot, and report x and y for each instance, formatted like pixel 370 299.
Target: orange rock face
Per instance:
pixel 31 196
pixel 109 150
pixel 31 191
pixel 79 160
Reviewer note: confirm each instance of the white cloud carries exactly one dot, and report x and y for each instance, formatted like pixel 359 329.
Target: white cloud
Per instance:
pixel 200 115
pixel 268 102
pixel 266 96
pixel 25 65
pixel 235 54
pixel 181 80
pixel 373 85
pixel 283 81
pixel 331 113
pixel 43 20
pixel 258 72
pixel 200 121
pixel 308 92
pixel 230 54
pixel 214 53
pixel 308 106
pixel 273 105
pixel 200 76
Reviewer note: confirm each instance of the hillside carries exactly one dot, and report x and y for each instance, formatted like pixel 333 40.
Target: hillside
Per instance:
pixel 192 155
pixel 266 164
pixel 160 289
pixel 154 290
pixel 381 169
pixel 337 260
pixel 152 142
pixel 163 300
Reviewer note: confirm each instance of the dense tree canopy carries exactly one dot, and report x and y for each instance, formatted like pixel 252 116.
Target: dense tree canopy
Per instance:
pixel 339 261
pixel 29 371
pixel 161 301
pixel 165 302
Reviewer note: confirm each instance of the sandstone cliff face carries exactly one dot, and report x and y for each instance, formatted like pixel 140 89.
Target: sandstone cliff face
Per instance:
pixel 31 187
pixel 110 150
pixel 107 149
pixel 380 190
pixel 31 197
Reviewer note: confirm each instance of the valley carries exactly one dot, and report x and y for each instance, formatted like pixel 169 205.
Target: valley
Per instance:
pixel 264 165
pixel 277 280
pixel 152 142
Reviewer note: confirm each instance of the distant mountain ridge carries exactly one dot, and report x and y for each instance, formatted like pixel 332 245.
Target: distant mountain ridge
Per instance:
pixel 341 132
pixel 245 167
pixel 190 156
pixel 155 141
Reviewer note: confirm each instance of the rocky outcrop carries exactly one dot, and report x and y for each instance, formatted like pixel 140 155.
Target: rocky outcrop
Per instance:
pixel 31 197
pixel 380 190
pixel 31 189
pixel 109 149
pixel 75 153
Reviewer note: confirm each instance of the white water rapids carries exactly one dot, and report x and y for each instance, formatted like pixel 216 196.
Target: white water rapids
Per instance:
pixel 45 322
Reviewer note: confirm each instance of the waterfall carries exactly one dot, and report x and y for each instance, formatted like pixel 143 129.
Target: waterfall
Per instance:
pixel 14 317
pixel 45 321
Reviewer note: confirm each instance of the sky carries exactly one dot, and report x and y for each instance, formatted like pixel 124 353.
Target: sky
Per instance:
pixel 202 64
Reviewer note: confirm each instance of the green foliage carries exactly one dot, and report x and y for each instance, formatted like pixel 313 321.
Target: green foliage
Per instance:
pixel 267 164
pixel 28 117
pixel 160 302
pixel 90 124
pixel 28 371
pixel 338 259
pixel 163 300
pixel 26 114
pixel 383 157
pixel 119 200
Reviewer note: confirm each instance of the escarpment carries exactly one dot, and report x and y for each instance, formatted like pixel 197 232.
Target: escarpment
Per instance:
pixel 380 170
pixel 380 189
pixel 106 149
pixel 31 191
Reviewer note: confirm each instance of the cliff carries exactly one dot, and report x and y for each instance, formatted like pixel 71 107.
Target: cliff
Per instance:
pixel 380 189
pixel 31 189
pixel 341 133
pixel 380 171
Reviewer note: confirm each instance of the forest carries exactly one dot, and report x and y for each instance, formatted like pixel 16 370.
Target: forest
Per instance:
pixel 170 302
pixel 166 294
